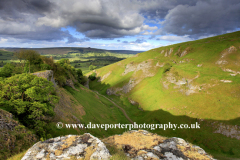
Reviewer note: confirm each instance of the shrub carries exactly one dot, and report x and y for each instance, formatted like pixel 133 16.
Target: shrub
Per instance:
pixel 92 76
pixel 7 70
pixel 92 67
pixel 167 67
pixel 79 73
pixel 29 98
pixel 45 66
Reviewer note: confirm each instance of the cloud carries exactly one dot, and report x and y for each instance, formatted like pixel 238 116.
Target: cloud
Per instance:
pixel 105 19
pixel 152 37
pixel 96 18
pixel 139 41
pixel 203 18
pixel 175 38
pixel 18 20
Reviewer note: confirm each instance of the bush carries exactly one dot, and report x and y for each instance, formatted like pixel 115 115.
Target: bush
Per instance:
pixel 7 70
pixel 92 76
pixel 167 67
pixel 30 99
pixel 79 73
pixel 45 66
pixel 61 80
pixel 92 67
pixel 82 80
pixel 63 61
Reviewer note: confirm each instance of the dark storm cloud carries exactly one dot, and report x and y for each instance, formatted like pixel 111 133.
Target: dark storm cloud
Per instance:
pixel 204 18
pixel 43 20
pixel 18 18
pixel 96 18
pixel 153 9
pixel 17 8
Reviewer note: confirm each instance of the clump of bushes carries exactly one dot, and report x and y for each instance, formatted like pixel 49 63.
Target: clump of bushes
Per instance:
pixel 31 61
pixel 92 67
pixel 30 98
pixel 92 77
pixel 81 79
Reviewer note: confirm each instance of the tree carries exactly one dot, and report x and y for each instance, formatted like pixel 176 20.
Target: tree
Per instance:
pixel 81 79
pixel 79 73
pixel 29 98
pixel 32 56
pixel 92 67
pixel 63 61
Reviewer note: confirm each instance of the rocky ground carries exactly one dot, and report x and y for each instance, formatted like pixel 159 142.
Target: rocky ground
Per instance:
pixel 137 145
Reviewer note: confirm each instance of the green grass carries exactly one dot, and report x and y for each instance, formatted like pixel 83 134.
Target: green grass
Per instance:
pixel 215 144
pixel 217 101
pixel 98 111
pixel 18 156
pixel 5 55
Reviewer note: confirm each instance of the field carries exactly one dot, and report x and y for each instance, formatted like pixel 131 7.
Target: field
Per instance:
pixel 5 56
pixel 79 57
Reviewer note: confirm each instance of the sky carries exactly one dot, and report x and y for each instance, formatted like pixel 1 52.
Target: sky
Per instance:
pixel 114 24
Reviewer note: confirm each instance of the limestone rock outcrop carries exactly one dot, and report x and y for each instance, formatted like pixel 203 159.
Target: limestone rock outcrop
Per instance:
pixel 143 145
pixel 137 145
pixel 48 74
pixel 168 53
pixel 72 146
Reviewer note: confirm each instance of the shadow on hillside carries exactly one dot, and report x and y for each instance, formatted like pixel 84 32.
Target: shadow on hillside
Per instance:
pixel 204 133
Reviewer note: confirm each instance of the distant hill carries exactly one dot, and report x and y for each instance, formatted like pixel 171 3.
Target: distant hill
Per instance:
pixel 66 50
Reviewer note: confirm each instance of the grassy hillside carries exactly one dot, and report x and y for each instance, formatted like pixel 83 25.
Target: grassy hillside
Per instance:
pixel 82 106
pixel 5 56
pixel 77 106
pixel 183 83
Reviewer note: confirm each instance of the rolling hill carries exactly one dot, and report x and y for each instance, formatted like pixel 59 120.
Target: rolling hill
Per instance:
pixel 196 81
pixel 66 50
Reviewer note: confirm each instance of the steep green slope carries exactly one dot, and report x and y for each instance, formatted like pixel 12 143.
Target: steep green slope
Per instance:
pixel 197 81
pixel 204 82
pixel 82 106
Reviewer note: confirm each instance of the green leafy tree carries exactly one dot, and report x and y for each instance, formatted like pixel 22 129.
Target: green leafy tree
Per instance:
pixel 45 66
pixel 7 70
pixel 29 98
pixel 79 73
pixel 81 79
pixel 63 61
pixel 31 56
pixel 92 67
